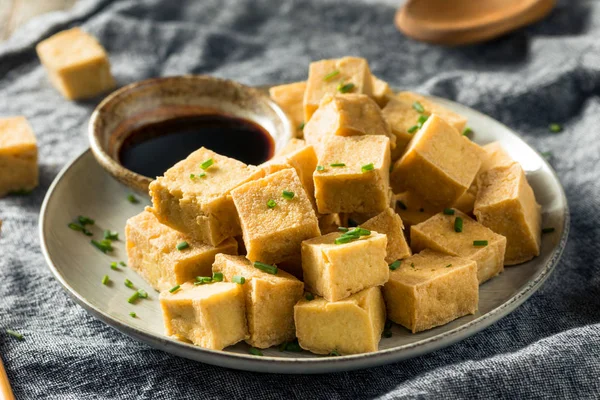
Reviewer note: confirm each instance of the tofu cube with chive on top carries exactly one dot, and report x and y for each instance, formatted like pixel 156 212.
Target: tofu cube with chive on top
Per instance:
pixel 346 115
pixel 76 63
pixel 338 264
pixel 430 289
pixel 328 77
pixel 438 233
pixel 506 204
pixel 290 98
pixel 201 207
pixel 212 316
pixel 274 226
pixel 165 257
pixel 354 175
pixel 349 326
pixel 18 156
pixel 390 224
pixel 439 164
pixel 270 300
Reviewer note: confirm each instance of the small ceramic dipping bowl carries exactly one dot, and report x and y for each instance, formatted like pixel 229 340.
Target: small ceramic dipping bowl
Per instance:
pixel 155 100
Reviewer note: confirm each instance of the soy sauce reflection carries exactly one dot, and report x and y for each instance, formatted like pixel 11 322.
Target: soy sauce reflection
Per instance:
pixel 153 148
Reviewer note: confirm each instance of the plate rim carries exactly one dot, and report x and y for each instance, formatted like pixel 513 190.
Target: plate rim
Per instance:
pixel 317 364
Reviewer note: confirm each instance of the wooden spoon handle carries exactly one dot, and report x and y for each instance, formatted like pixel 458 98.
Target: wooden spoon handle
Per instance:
pixel 5 390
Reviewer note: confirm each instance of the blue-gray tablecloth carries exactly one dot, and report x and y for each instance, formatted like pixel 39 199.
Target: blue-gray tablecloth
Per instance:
pixel 549 72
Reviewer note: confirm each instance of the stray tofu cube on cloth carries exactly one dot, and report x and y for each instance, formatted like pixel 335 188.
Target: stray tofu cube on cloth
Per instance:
pixel 474 241
pixel 430 289
pixel 353 175
pixel 212 316
pixel 349 326
pixel 270 300
pixel 439 164
pixel 274 223
pixel 506 204
pixel 335 268
pixel 76 63
pixel 152 252
pixel 194 196
pixel 18 156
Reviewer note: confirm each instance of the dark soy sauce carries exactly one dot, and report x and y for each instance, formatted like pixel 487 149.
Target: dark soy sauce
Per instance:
pixel 151 149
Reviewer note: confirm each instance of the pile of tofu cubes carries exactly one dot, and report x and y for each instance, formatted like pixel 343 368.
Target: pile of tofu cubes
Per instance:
pixel 270 253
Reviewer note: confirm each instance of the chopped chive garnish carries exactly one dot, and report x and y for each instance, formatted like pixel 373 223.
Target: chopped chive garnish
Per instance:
pixel 102 245
pixel 113 265
pixel 238 279
pixel 387 334
pixel 217 277
pixel 201 175
pixel 412 265
pixel 480 243
pixel 345 88
pixel 387 325
pixel 132 199
pixel 288 195
pixel 271 203
pixel 548 230
pixel 269 269
pixel 202 280
pixel 301 127
pixel 555 128
pixel 401 204
pixel 546 154
pixel 412 129
pixel 105 279
pixel 255 352
pixel 309 296
pixel 422 119
pixel 206 164
pixel 320 168
pixel 142 293
pixel 132 314
pixel 340 164
pixel 290 346
pixel 418 107
pixel 467 131
pixel 174 289
pixel 394 266
pixel 334 353
pixel 192 176
pixel 128 283
pixel 342 229
pixel 14 334
pixel 344 239
pixel 331 75
pixel 122 263
pixel 111 235
pixel 133 298
pixel 367 168
pixel 448 211
pixel 448 266
pixel 182 246
pixel 85 220
pixel 458 224
pixel 79 228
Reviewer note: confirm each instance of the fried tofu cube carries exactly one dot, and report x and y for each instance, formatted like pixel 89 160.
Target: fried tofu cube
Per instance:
pixel 466 202
pixel 212 316
pixel 200 206
pixel 413 209
pixel 390 224
pixel 430 289
pixel 152 252
pixel 336 271
pixel 290 98
pixel 270 300
pixel 76 63
pixel 18 156
pixel 349 326
pixel 354 175
pixel 346 115
pixel 506 204
pixel 273 226
pixel 475 242
pixel 439 165
pixel 381 91
pixel 326 77
pixel 431 107
pixel 496 157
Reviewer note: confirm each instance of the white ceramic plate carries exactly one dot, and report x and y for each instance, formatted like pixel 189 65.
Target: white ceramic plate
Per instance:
pixel 83 188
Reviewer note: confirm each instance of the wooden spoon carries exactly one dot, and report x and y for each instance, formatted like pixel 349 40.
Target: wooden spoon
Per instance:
pixel 458 22
pixel 5 390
